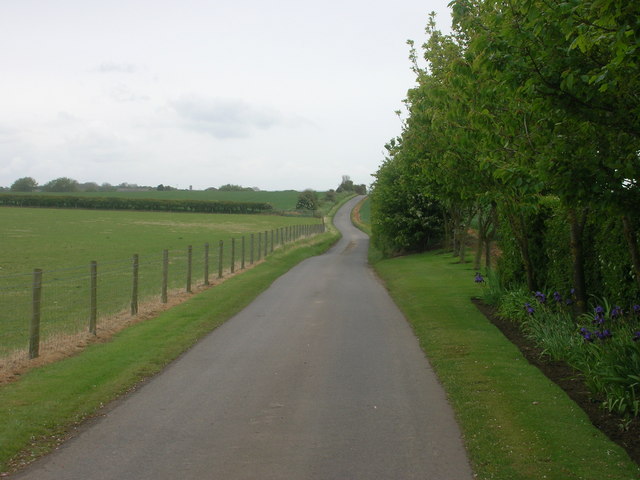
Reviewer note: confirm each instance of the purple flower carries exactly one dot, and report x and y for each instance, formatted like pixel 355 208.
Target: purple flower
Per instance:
pixel 557 297
pixel 586 334
pixel 541 297
pixel 636 336
pixel 599 315
pixel 479 278
pixel 616 312
pixel 603 335
pixel 636 309
pixel 530 310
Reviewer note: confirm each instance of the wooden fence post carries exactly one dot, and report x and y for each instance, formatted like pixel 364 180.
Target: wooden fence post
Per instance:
pixel 271 241
pixel 259 245
pixel 242 262
pixel 34 326
pixel 165 275
pixel 221 251
pixel 233 255
pixel 189 266
pixel 266 243
pixel 206 264
pixel 94 298
pixel 251 249
pixel 134 289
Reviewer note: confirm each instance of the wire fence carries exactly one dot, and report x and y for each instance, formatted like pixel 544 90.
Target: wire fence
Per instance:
pixel 45 310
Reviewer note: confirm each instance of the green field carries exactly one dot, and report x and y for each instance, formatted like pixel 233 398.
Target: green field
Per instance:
pixel 63 243
pixel 281 201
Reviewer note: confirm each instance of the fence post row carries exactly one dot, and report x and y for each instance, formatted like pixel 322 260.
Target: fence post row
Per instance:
pixel 279 236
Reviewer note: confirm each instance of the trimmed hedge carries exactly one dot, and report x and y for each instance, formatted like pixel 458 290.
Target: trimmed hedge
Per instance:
pixel 146 204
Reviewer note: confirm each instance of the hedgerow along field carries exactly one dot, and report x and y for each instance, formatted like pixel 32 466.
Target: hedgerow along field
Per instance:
pixel 281 201
pixel 63 243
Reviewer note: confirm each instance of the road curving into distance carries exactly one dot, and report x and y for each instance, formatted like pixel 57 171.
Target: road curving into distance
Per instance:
pixel 320 377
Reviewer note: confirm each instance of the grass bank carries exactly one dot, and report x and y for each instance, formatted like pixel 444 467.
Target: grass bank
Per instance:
pixel 517 424
pixel 40 409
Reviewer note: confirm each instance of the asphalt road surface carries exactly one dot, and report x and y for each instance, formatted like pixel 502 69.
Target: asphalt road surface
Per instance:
pixel 319 378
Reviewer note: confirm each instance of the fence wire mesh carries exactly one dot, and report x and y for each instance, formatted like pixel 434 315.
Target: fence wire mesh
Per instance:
pixel 66 302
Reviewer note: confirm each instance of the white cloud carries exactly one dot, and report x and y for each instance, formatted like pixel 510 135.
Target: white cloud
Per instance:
pixel 225 118
pixel 114 67
pixel 123 93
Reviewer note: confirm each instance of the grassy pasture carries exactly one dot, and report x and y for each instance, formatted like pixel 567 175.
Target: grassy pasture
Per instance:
pixel 64 242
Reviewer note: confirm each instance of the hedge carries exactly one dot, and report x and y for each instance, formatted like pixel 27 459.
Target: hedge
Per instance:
pixel 147 204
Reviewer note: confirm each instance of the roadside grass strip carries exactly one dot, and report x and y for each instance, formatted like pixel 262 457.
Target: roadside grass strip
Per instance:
pixel 517 424
pixel 42 408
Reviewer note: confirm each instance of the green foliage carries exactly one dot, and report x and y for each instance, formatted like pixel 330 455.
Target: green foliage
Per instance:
pixel 62 184
pixel 517 111
pixel 603 346
pixel 119 203
pixel 406 217
pixel 608 268
pixel 347 185
pixel 24 184
pixel 280 200
pixel 307 200
pixel 234 188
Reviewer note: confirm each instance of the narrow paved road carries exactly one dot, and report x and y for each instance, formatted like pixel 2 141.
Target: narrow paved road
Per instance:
pixel 319 378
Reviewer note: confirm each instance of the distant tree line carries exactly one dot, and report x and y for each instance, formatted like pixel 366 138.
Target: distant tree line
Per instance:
pixel 66 184
pixel 347 185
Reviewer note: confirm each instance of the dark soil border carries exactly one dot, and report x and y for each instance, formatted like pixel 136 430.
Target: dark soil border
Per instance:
pixel 571 382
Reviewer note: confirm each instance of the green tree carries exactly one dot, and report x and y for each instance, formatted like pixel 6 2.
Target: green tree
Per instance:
pixel 565 60
pixel 307 200
pixel 346 185
pixel 62 184
pixel 24 184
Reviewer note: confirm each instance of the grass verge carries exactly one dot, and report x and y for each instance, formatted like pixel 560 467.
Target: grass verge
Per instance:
pixel 41 409
pixel 517 424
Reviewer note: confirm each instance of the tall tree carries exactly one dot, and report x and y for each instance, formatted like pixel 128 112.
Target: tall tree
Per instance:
pixel 24 184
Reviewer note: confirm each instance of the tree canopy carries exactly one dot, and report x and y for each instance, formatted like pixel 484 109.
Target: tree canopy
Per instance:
pixel 526 100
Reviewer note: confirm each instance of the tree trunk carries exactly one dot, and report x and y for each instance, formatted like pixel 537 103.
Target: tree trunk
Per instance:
pixel 478 258
pixel 519 232
pixel 448 237
pixel 576 224
pixel 482 233
pixel 632 242
pixel 491 233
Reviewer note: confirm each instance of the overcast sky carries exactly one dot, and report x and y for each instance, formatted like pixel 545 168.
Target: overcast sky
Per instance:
pixel 277 95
